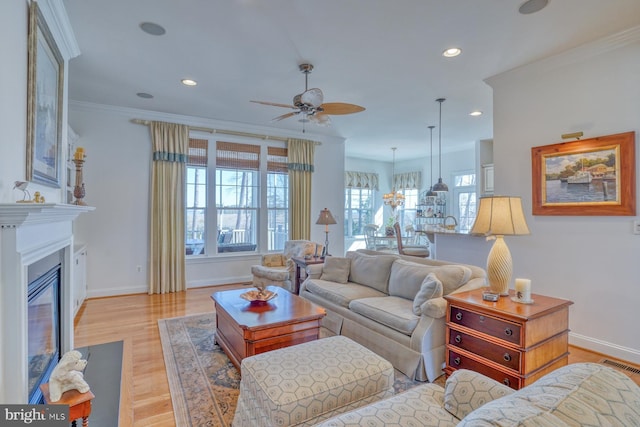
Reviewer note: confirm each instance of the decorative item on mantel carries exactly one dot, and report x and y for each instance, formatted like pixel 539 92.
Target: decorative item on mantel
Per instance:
pixel 22 186
pixel 78 190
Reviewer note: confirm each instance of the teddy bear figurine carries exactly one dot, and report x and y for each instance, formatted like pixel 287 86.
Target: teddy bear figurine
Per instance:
pixel 67 375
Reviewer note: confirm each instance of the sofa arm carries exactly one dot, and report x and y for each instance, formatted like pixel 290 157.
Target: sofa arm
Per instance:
pixel 434 307
pixel 478 282
pixel 314 271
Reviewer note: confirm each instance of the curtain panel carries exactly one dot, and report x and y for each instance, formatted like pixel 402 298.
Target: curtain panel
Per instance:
pixel 407 181
pixel 300 164
pixel 170 148
pixel 355 179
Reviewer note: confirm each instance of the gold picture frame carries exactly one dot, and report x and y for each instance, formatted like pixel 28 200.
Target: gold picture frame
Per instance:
pixel 45 72
pixel 587 177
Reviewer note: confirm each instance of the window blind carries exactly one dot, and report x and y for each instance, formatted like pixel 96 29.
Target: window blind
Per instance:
pixel 237 156
pixel 277 159
pixel 197 153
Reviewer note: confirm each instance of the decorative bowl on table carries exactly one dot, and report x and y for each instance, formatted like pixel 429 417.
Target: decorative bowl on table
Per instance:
pixel 258 296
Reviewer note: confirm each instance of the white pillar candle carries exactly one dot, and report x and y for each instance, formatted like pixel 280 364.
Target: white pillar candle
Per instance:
pixel 523 290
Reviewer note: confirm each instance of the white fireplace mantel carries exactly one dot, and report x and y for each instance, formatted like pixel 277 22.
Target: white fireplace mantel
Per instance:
pixel 28 233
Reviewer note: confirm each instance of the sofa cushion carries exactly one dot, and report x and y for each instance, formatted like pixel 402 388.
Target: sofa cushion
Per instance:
pixel 394 312
pixel 465 391
pixel 576 395
pixel 406 277
pixel 336 269
pixel 371 270
pixel 431 288
pixel 339 293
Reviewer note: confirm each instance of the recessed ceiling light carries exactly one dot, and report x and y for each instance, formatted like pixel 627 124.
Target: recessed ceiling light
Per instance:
pixel 189 82
pixel 153 29
pixel 451 52
pixel 532 6
pixel 144 95
pixel 475 113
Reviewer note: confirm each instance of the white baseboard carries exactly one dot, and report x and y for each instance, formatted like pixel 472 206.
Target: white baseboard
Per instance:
pixel 613 350
pixel 222 281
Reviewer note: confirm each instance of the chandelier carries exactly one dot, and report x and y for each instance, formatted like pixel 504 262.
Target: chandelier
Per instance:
pixel 393 199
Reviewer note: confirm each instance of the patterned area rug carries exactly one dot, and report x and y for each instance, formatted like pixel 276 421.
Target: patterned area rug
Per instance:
pixel 203 382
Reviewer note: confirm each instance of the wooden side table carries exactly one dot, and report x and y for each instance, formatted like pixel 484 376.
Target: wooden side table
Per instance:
pixel 79 403
pixel 512 343
pixel 302 263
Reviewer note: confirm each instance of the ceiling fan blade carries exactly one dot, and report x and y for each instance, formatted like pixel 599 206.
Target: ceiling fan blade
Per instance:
pixel 337 108
pixel 275 104
pixel 312 97
pixel 284 116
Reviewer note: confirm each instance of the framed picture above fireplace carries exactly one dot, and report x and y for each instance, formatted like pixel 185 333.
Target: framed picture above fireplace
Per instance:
pixel 44 102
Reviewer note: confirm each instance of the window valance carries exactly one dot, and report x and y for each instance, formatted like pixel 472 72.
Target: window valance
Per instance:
pixel 407 181
pixel 355 179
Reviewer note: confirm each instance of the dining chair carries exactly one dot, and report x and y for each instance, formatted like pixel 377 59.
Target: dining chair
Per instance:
pixel 421 251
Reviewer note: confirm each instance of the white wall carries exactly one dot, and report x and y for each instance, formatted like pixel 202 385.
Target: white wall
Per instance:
pixel 593 261
pixel 117 179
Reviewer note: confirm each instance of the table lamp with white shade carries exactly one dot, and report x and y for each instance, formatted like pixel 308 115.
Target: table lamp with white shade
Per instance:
pixel 500 216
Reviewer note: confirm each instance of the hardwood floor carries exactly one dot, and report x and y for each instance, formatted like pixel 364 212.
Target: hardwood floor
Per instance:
pixel 145 398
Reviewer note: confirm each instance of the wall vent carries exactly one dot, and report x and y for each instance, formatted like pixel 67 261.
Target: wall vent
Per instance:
pixel 619 365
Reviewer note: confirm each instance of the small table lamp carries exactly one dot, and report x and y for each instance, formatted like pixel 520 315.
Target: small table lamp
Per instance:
pixel 325 219
pixel 500 216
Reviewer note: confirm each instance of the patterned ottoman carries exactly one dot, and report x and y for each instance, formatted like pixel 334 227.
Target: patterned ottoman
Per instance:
pixel 307 383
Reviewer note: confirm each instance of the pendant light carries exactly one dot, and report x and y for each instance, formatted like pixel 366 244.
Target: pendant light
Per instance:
pixel 440 187
pixel 393 199
pixel 431 193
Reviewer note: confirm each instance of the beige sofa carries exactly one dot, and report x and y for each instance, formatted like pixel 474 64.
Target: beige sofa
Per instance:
pixel 582 394
pixel 390 304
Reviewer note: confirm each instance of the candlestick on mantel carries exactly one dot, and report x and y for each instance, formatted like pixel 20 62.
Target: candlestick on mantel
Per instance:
pixel 78 190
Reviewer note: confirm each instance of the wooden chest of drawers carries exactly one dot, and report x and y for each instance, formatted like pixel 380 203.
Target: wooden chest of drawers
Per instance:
pixel 510 342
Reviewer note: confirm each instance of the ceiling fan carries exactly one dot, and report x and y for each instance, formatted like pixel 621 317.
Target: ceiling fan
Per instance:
pixel 309 104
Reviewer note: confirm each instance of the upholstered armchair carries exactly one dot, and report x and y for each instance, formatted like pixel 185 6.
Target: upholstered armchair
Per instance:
pixel 278 269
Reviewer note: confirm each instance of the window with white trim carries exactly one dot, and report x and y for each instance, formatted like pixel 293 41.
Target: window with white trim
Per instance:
pixel 239 223
pixel 465 199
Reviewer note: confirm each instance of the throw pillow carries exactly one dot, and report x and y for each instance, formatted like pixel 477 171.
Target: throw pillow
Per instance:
pixel 466 391
pixel 431 288
pixel 336 269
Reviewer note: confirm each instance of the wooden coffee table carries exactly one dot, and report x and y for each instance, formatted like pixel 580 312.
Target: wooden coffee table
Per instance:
pixel 243 329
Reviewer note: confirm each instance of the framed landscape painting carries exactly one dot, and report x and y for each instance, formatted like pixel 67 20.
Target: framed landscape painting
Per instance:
pixel 44 102
pixel 587 177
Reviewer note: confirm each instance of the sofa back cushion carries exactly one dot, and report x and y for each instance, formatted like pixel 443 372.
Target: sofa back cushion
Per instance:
pixel 576 395
pixel 336 269
pixel 371 270
pixel 406 277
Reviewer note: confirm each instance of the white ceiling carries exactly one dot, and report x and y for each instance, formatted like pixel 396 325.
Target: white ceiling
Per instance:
pixel 382 54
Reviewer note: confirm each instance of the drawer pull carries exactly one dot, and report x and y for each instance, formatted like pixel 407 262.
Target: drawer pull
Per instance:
pixel 458 316
pixel 457 361
pixel 507 357
pixel 458 339
pixel 506 382
pixel 508 332
pixel 481 318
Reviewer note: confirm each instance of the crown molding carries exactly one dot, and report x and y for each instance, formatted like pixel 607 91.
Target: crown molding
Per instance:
pixel 134 113
pixel 572 56
pixel 58 22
